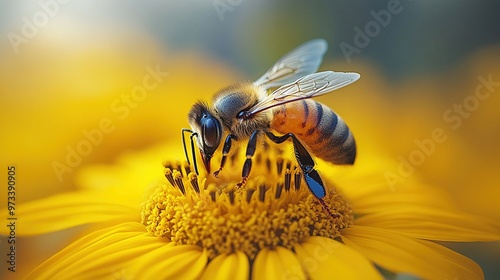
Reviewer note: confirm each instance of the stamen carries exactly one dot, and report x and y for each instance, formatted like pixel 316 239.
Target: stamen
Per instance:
pixel 212 191
pixel 258 158
pixel 288 178
pixel 234 157
pixel 193 179
pixel 178 181
pixel 168 165
pixel 223 219
pixel 279 189
pixel 262 192
pixel 297 178
pixel 250 191
pixel 265 146
pixel 230 192
pixel 268 165
pixel 279 164
pixel 187 168
pixel 168 175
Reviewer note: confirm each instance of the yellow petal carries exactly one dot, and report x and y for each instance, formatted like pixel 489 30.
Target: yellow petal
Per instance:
pixel 433 223
pixel 98 254
pixel 373 194
pixel 277 263
pixel 72 209
pixel 403 254
pixel 374 191
pixel 372 202
pixel 171 262
pixel 233 266
pixel 325 258
pixel 468 269
pixel 372 180
pixel 367 183
pixel 130 171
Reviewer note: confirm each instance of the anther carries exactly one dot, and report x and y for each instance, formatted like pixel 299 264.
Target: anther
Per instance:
pixel 178 181
pixel 262 192
pixel 168 175
pixel 168 165
pixel 288 178
pixel 212 192
pixel 187 168
pixel 193 179
pixel 266 146
pixel 234 157
pixel 279 189
pixel 258 159
pixel 297 178
pixel 268 164
pixel 250 191
pixel 279 164
pixel 230 193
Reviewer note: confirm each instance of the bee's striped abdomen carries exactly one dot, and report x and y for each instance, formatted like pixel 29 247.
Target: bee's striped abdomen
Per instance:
pixel 317 126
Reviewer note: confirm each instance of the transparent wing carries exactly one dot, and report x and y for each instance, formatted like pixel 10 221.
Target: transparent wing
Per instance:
pixel 306 87
pixel 303 60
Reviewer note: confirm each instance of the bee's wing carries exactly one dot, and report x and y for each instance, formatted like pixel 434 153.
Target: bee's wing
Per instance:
pixel 303 60
pixel 305 87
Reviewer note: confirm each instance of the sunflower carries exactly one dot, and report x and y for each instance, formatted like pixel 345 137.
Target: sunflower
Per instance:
pixel 148 221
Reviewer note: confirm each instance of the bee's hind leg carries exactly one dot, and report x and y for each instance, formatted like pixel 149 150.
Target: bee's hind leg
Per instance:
pixel 305 161
pixel 225 152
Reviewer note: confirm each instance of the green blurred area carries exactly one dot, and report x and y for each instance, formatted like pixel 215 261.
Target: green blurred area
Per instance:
pixel 422 37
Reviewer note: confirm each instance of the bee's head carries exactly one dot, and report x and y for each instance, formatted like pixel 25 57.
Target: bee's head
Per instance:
pixel 208 129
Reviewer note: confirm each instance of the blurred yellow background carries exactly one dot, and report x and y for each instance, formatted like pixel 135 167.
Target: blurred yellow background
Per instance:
pixel 83 81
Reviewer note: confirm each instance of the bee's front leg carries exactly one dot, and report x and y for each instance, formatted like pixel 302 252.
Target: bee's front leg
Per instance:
pixel 193 154
pixel 225 152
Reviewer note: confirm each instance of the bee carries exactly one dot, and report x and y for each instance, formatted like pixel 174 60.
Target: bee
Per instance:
pixel 246 111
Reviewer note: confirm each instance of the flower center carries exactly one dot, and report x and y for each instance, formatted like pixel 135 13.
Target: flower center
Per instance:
pixel 273 208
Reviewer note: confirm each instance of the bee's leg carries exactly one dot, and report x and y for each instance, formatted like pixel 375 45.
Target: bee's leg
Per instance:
pixel 184 142
pixel 193 154
pixel 247 167
pixel 305 161
pixel 225 152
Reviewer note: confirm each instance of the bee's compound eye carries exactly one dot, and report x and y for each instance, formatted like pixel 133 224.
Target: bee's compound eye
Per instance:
pixel 210 131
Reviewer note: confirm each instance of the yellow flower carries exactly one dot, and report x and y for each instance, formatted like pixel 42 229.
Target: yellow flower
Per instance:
pixel 186 226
